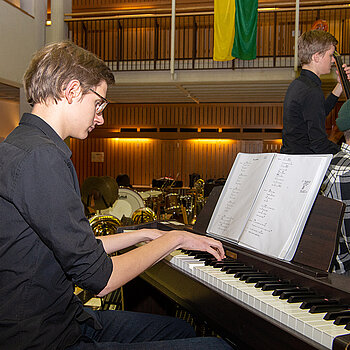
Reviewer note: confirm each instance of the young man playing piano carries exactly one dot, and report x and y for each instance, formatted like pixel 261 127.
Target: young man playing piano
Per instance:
pixel 305 108
pixel 46 243
pixel 336 185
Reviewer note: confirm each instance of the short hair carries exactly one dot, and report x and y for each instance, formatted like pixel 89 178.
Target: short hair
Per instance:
pixel 55 65
pixel 312 42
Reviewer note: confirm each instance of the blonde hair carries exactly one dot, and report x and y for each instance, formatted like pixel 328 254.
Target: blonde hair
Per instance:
pixel 312 42
pixel 55 65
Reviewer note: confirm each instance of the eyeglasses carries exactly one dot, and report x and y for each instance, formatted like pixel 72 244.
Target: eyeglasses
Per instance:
pixel 100 105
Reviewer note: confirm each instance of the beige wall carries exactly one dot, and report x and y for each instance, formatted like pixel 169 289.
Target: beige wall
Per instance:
pixel 21 35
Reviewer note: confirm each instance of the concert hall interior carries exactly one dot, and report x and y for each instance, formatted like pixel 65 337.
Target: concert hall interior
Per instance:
pixel 175 123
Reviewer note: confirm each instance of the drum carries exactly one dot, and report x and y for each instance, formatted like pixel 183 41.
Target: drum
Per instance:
pixel 128 201
pixel 152 199
pixel 172 203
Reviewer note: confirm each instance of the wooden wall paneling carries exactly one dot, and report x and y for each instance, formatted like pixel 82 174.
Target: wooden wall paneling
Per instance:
pixel 228 119
pixel 228 158
pixel 197 155
pixel 111 158
pixel 88 159
pixel 170 166
pixel 186 161
pixel 191 159
pixel 238 115
pixel 139 162
pixel 149 169
pixel 265 34
pixel 163 155
pixel 193 116
pixel 156 159
pixel 165 159
pixel 143 161
pixel 108 162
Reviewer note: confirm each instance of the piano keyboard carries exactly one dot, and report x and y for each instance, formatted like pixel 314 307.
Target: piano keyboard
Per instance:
pixel 299 309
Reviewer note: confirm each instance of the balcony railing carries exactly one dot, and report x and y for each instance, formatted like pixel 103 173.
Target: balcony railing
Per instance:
pixel 141 43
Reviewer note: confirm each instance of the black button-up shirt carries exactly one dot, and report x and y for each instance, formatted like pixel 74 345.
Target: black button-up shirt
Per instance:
pixel 46 242
pixel 304 117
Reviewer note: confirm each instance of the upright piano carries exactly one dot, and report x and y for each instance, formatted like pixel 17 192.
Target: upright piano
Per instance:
pixel 258 302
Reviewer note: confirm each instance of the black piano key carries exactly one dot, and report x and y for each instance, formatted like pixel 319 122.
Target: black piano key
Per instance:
pixel 221 264
pixel 279 291
pixel 212 261
pixel 332 315
pixel 236 269
pixel 318 301
pixel 226 267
pixel 303 297
pixel 288 294
pixel 192 252
pixel 257 279
pixel 208 261
pixel 273 286
pixel 340 320
pixel 200 255
pixel 245 275
pixel 262 284
pixel 238 274
pixel 317 309
pixel 347 326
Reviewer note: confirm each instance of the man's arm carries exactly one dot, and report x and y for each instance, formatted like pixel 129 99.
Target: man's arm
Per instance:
pixel 129 265
pixel 113 243
pixel 314 114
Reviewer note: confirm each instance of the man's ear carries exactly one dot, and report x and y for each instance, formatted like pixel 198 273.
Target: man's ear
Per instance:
pixel 72 91
pixel 316 57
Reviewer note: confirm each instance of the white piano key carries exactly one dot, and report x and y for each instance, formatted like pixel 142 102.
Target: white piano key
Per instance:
pixel 312 326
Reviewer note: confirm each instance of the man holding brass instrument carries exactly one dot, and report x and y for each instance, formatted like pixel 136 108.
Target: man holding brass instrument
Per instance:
pixel 305 108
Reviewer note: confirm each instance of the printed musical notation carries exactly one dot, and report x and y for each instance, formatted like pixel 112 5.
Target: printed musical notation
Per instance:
pixel 266 200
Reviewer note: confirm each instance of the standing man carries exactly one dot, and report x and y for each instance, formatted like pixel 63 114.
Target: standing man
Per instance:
pixel 336 185
pixel 46 243
pixel 305 108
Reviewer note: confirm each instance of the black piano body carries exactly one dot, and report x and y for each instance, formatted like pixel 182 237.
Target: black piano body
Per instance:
pixel 243 325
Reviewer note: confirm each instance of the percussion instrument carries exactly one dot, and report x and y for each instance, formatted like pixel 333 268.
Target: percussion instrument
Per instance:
pixel 152 198
pixel 128 201
pixel 172 204
pixel 99 192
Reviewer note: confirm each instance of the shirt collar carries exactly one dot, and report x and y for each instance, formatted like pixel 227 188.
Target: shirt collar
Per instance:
pixel 311 75
pixel 345 147
pixel 35 121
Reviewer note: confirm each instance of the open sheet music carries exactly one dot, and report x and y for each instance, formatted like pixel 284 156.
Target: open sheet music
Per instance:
pixel 267 199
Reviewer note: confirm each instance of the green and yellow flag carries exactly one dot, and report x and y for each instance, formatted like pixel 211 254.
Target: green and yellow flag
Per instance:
pixel 235 25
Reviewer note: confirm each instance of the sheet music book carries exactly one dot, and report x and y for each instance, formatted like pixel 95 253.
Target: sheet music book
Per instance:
pixel 266 201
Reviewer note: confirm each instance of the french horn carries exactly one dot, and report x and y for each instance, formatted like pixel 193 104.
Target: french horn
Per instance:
pixel 142 215
pixel 103 225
